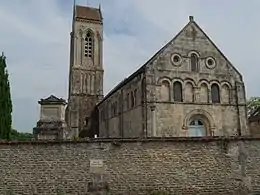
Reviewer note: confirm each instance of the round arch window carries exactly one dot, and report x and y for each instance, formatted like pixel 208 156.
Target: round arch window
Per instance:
pixel 210 62
pixel 176 59
pixel 197 128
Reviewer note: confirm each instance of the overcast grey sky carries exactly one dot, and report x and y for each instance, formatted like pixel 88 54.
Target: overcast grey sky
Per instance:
pixel 35 38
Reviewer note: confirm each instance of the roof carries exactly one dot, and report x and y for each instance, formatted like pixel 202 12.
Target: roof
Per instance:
pixel 89 13
pixel 52 100
pixel 143 67
pixel 214 45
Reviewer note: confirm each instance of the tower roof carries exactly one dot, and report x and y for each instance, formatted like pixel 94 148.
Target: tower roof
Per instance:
pixel 89 13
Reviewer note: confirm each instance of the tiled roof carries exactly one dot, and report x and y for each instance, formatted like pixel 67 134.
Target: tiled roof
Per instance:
pixel 88 13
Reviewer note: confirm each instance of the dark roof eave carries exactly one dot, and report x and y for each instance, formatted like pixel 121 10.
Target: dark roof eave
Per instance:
pixel 89 19
pixel 122 83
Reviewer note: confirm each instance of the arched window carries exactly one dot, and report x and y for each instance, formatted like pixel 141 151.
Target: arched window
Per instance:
pixel 165 91
pixel 177 91
pixel 89 45
pixel 204 93
pixel 197 128
pixel 225 94
pixel 189 92
pixel 194 62
pixel 215 93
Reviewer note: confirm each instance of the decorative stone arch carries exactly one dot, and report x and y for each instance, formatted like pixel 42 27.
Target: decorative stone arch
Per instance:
pixel 88 30
pixel 225 83
pixel 202 115
pixel 204 81
pixel 178 79
pixel 161 79
pixel 215 82
pixel 193 52
pixel 190 80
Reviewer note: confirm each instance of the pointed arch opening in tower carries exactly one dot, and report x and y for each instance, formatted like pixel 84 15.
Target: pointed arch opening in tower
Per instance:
pixel 89 43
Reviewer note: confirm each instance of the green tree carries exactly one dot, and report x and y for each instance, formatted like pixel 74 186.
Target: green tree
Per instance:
pixel 252 105
pixel 5 101
pixel 20 136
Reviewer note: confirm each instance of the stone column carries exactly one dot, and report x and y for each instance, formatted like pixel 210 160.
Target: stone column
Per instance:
pixel 75 54
pixel 81 50
pixel 152 107
pixel 196 96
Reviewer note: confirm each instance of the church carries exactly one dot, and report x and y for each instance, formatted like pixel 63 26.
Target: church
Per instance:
pixel 186 89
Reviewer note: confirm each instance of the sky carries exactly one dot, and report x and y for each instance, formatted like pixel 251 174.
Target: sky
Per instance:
pixel 34 36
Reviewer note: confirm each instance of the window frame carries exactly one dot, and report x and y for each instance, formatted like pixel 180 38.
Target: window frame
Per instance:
pixel 176 91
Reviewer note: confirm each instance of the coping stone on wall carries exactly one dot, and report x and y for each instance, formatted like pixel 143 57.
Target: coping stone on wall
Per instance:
pixel 127 140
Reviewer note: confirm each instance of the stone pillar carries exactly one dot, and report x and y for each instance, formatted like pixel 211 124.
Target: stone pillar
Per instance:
pixel 52 124
pixel 76 52
pixel 152 107
pixel 196 96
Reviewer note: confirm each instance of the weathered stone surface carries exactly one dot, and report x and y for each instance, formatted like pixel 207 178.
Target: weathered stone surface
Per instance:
pixel 51 124
pixel 137 166
pixel 154 84
pixel 254 127
pixel 86 72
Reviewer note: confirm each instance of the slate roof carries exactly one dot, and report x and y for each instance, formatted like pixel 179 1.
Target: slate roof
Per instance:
pixel 89 13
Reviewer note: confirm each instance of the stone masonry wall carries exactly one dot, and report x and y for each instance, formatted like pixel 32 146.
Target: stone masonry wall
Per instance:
pixel 176 165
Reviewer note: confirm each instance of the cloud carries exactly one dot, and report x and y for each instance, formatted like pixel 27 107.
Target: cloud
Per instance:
pixel 35 37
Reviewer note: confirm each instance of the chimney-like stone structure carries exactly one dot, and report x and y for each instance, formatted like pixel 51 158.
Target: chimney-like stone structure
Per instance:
pixel 52 125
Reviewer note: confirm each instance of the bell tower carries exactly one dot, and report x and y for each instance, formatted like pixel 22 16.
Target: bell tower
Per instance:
pixel 86 66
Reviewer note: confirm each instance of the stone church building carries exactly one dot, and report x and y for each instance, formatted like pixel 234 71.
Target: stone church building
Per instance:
pixel 187 88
